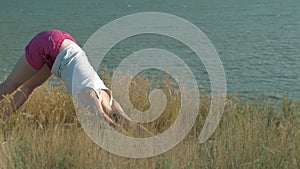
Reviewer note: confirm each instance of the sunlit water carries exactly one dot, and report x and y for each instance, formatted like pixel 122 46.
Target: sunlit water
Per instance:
pixel 258 41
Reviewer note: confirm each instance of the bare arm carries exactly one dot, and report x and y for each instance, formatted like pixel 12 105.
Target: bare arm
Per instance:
pixel 23 93
pixel 88 99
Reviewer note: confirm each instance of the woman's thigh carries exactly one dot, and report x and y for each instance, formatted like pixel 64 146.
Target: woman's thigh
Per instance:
pixel 20 73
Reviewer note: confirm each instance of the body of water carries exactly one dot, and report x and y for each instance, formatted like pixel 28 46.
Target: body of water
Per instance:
pixel 258 41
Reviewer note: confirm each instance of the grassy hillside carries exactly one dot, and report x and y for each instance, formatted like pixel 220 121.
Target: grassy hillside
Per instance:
pixel 259 133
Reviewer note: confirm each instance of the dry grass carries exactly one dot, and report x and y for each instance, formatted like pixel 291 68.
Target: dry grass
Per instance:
pixel 45 133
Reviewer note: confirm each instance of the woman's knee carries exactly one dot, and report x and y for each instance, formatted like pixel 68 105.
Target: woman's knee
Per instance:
pixel 8 87
pixel 13 83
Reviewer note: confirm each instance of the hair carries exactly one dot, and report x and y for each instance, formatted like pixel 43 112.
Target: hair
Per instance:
pixel 117 111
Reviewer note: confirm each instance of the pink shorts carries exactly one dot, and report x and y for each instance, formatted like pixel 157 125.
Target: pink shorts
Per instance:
pixel 44 47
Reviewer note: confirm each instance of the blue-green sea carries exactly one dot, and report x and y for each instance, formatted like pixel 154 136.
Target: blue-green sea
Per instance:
pixel 258 41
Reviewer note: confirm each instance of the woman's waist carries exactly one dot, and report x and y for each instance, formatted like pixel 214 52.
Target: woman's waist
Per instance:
pixel 68 53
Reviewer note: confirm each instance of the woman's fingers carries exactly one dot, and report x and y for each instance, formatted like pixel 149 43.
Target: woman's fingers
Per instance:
pixel 108 119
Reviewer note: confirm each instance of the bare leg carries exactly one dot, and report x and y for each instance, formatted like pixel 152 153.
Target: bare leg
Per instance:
pixel 23 92
pixel 20 73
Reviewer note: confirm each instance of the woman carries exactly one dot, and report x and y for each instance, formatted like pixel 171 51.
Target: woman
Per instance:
pixel 56 52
